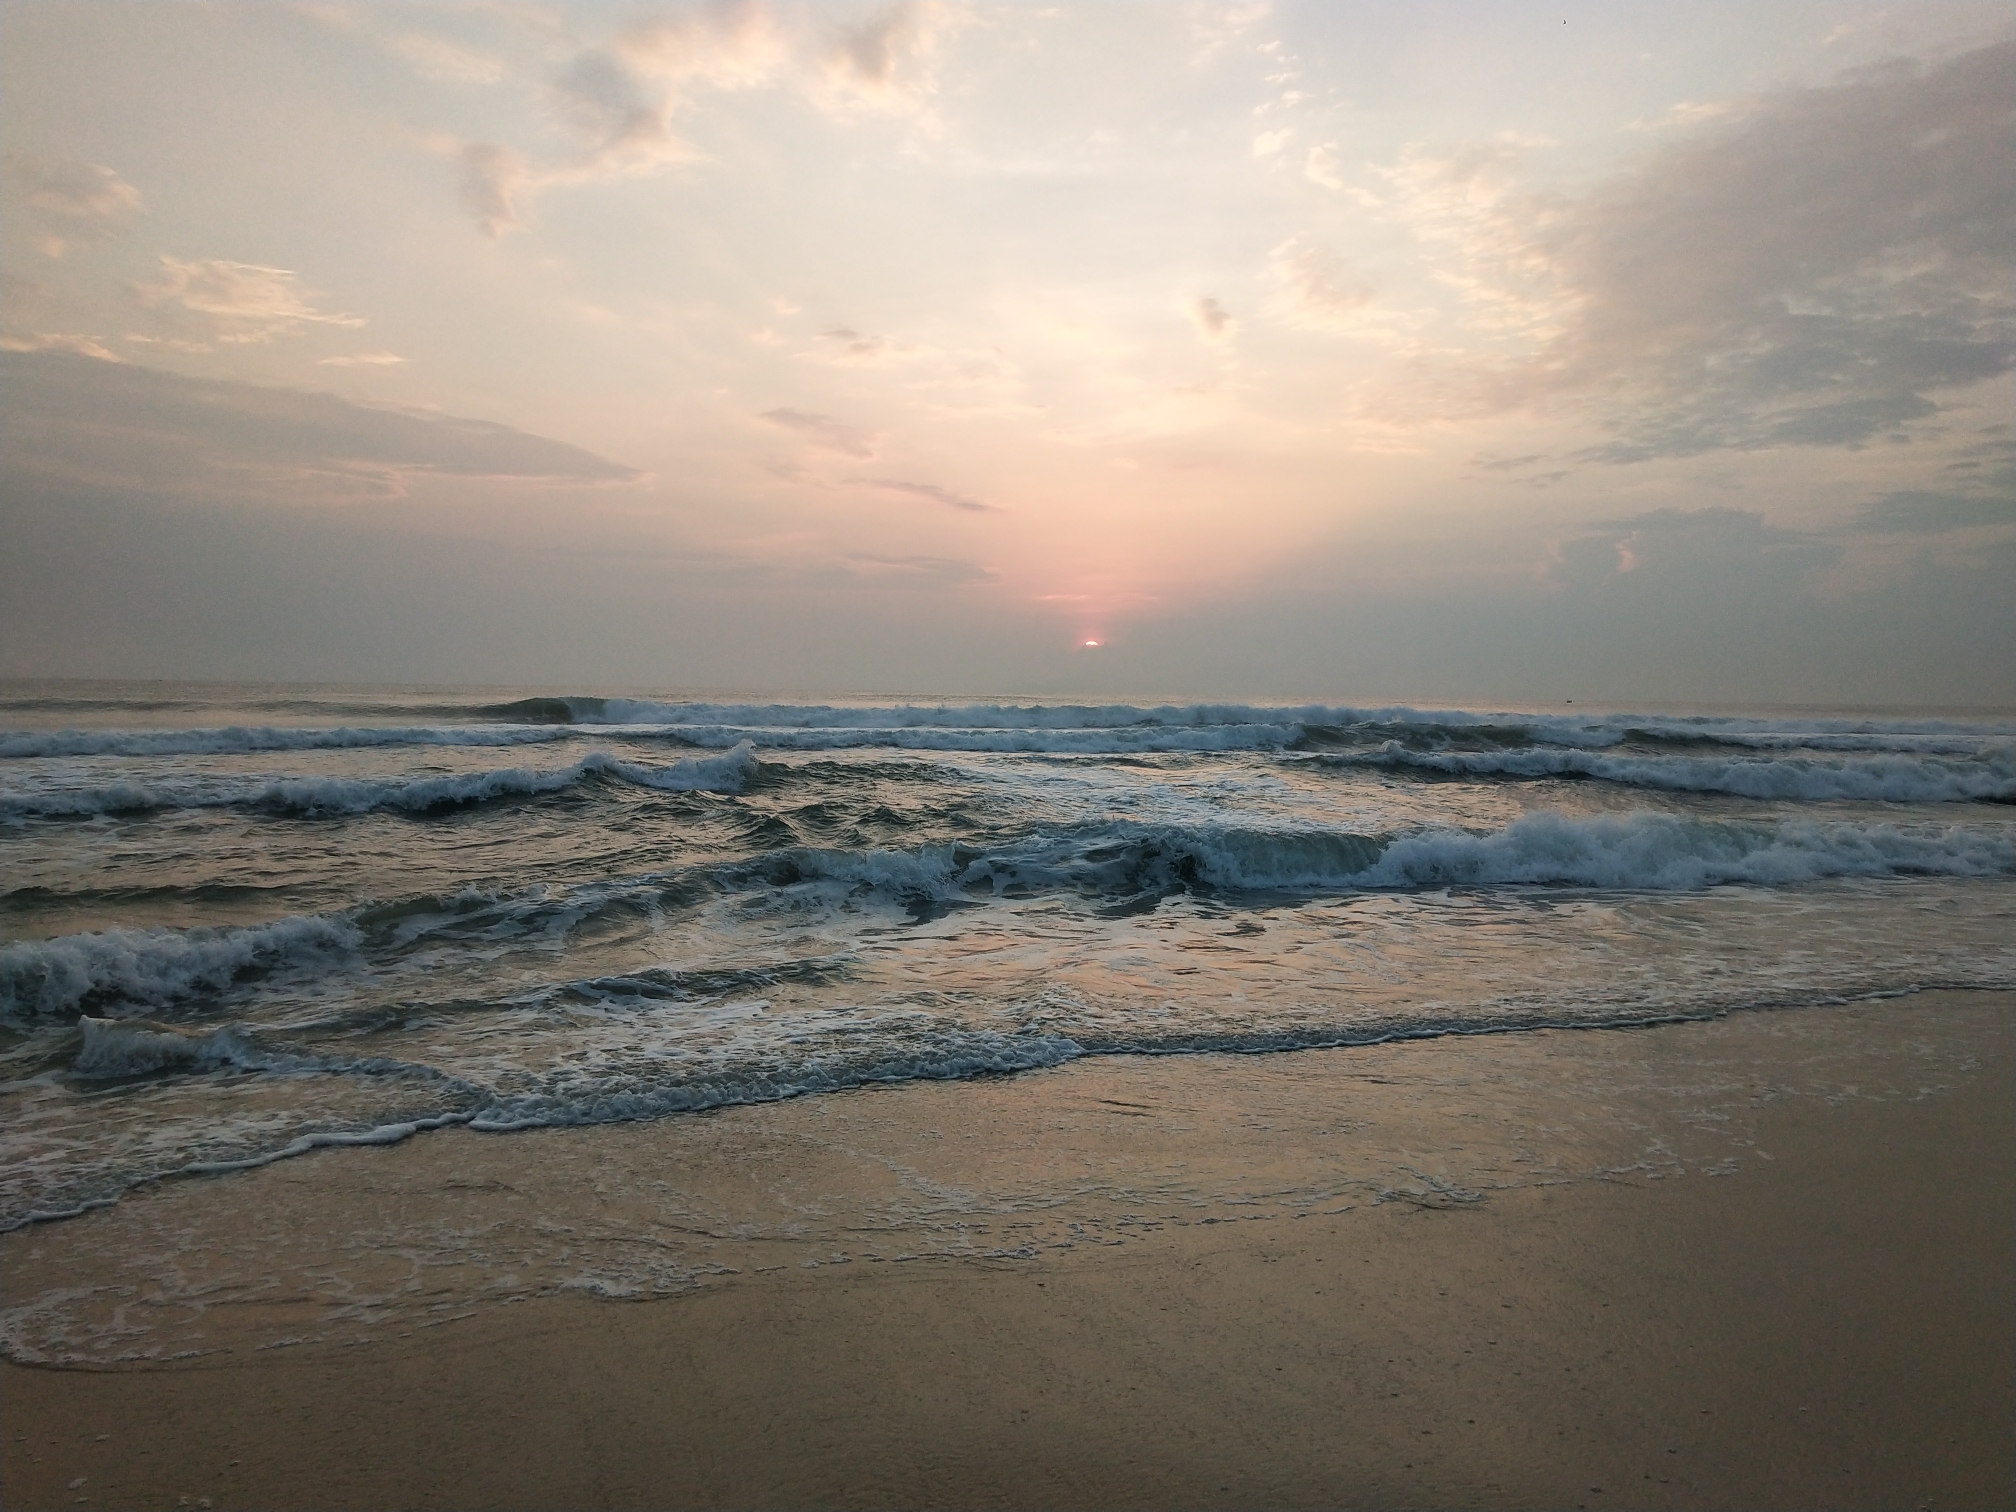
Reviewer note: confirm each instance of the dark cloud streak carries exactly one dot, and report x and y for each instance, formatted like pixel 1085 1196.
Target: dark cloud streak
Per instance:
pixel 932 491
pixel 75 420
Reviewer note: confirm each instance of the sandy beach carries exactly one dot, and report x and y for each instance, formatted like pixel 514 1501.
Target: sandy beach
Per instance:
pixel 1758 1261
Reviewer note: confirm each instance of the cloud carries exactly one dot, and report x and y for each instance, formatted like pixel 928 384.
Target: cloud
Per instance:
pixel 1269 143
pixel 492 180
pixel 172 343
pixel 1324 167
pixel 737 45
pixel 931 491
pixel 852 344
pixel 826 432
pixel 1212 320
pixel 624 123
pixel 1519 469
pixel 1217 27
pixel 59 341
pixel 619 101
pixel 1813 273
pixel 437 58
pixel 365 359
pixel 74 421
pixel 1486 231
pixel 79 202
pixel 1811 268
pixel 888 63
pixel 243 302
pixel 922 571
pixel 1314 288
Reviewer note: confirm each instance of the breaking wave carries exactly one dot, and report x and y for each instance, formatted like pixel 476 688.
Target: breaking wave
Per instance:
pixel 157 968
pixel 135 1047
pixel 1122 867
pixel 316 797
pixel 1663 852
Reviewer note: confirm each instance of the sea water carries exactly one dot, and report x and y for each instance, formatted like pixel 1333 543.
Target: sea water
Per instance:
pixel 241 923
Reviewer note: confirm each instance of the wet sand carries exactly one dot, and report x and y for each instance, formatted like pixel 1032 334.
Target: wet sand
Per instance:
pixel 1763 1261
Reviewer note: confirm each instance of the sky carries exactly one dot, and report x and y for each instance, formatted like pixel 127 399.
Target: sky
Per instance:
pixel 1426 352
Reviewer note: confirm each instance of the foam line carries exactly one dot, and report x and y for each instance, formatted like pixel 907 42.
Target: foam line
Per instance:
pixel 1886 778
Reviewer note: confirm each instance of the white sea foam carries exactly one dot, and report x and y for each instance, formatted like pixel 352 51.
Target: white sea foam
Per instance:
pixel 1892 778
pixel 154 968
pixel 591 1094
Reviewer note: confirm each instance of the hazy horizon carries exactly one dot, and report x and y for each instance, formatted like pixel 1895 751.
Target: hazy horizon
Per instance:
pixel 1436 354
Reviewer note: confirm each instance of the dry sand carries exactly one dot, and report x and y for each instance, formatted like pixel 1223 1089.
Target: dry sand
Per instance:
pixel 1760 1262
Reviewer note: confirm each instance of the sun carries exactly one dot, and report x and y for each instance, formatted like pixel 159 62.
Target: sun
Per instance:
pixel 1091 645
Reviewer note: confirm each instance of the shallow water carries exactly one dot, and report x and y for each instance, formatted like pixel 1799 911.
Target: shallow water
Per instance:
pixel 245 922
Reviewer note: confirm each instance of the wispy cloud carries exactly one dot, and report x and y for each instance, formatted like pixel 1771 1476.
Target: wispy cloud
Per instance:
pixel 1313 287
pixel 619 102
pixel 492 181
pixel 888 63
pixel 826 432
pixel 932 571
pixel 452 62
pixel 931 491
pixel 1212 320
pixel 242 302
pixel 1215 28
pixel 1324 166
pixel 60 341
pixel 855 346
pixel 77 202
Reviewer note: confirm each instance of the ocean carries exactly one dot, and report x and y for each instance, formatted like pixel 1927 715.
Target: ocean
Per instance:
pixel 242 923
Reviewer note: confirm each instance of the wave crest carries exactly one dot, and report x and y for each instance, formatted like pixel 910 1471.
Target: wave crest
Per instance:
pixel 1661 852
pixel 156 968
pixel 321 797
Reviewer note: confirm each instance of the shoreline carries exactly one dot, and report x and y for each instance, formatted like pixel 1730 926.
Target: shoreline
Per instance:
pixel 1759 1260
pixel 402 1131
